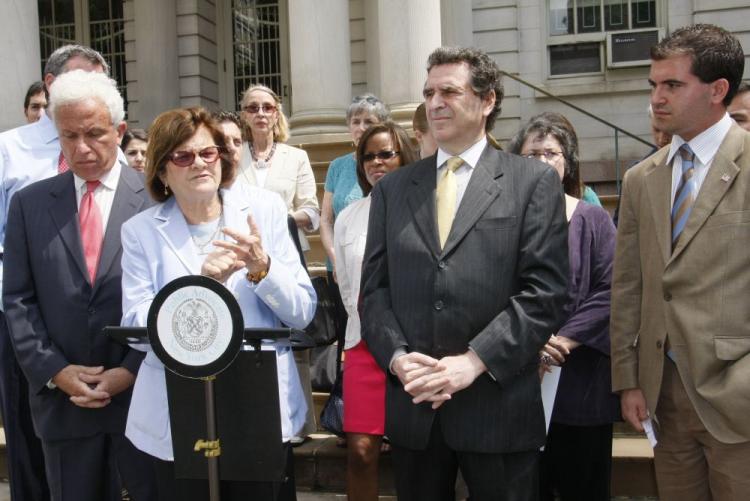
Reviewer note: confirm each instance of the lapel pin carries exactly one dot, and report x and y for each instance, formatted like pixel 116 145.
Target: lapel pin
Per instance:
pixel 725 178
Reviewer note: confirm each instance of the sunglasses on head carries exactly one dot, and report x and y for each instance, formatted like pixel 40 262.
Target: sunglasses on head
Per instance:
pixel 255 108
pixel 382 155
pixel 184 158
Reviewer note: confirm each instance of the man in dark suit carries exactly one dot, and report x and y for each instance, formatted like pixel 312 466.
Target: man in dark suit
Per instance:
pixel 62 286
pixel 464 279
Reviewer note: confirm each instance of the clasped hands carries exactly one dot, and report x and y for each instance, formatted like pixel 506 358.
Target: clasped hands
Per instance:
pixel 555 351
pixel 245 252
pixel 428 379
pixel 92 387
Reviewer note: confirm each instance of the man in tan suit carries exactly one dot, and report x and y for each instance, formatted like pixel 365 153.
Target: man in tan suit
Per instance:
pixel 680 316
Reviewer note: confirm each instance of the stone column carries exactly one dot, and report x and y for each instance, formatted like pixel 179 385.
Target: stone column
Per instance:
pixel 156 80
pixel 20 53
pixel 319 49
pixel 458 29
pixel 399 36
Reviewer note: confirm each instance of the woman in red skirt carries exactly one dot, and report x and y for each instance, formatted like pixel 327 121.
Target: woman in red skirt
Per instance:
pixel 382 149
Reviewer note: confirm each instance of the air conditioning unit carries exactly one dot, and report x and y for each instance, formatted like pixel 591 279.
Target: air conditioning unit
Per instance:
pixel 626 49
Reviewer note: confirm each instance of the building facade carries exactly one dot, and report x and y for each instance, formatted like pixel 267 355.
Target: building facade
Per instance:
pixel 317 54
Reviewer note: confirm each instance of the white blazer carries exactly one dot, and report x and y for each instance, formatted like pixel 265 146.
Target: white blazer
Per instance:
pixel 157 248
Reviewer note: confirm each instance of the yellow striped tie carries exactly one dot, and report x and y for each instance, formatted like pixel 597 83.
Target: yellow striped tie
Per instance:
pixel 445 197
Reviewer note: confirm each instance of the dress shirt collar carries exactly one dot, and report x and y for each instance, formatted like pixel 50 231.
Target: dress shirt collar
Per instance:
pixel 47 130
pixel 470 156
pixel 108 180
pixel 704 145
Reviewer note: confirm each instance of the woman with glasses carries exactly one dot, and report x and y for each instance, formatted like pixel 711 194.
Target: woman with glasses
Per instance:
pixel 576 462
pixel 268 163
pixel 238 237
pixel 381 149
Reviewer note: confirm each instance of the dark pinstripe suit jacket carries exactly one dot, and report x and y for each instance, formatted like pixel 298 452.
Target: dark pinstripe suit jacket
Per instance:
pixel 498 287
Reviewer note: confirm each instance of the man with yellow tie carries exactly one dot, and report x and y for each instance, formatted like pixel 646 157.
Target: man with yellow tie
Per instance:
pixel 464 279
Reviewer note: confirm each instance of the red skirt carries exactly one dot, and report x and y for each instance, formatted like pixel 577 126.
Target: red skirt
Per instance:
pixel 364 392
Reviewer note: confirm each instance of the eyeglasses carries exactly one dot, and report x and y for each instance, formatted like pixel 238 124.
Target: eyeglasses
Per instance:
pixel 255 108
pixel 382 155
pixel 184 158
pixel 548 154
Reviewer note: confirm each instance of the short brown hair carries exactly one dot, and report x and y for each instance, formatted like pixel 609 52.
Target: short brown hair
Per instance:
pixel 400 140
pixel 715 53
pixel 419 122
pixel 485 75
pixel 171 129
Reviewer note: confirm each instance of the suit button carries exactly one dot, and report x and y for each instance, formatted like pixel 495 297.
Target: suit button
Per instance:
pixel 439 305
pixel 92 311
pixel 659 344
pixel 667 296
pixel 441 265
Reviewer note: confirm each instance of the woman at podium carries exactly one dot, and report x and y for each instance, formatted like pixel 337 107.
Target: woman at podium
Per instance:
pixel 237 236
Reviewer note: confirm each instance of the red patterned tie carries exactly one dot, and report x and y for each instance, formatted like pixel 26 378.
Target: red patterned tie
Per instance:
pixel 62 164
pixel 90 219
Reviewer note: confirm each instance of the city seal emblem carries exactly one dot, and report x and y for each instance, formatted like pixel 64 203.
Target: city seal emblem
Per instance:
pixel 194 324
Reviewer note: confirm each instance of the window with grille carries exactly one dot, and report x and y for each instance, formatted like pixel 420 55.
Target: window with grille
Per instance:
pixel 98 24
pixel 254 48
pixel 577 28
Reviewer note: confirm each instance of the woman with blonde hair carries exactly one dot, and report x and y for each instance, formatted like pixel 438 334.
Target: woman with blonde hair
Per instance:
pixel 268 163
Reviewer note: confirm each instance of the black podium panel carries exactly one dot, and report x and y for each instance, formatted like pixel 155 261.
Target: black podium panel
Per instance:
pixel 248 421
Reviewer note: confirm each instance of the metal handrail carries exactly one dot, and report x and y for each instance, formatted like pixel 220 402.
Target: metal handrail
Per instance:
pixel 617 129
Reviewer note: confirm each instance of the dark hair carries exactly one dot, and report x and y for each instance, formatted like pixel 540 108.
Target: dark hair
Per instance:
pixel 131 134
pixel 171 129
pixel 744 87
pixel 715 53
pixel 222 116
pixel 400 140
pixel 559 127
pixel 419 122
pixel 485 75
pixel 33 90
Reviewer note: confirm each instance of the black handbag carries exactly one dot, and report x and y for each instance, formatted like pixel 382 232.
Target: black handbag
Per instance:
pixel 322 329
pixel 332 415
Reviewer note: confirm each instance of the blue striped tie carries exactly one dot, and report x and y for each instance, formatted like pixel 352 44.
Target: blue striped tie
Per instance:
pixel 685 195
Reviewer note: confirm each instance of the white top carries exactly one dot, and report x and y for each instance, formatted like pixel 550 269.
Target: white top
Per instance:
pixel 463 174
pixel 704 145
pixel 104 194
pixel 349 238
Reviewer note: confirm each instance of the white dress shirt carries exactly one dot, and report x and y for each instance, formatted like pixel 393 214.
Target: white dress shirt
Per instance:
pixel 470 156
pixel 349 238
pixel 704 145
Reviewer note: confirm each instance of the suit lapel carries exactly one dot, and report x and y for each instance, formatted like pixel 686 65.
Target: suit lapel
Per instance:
pixel 64 213
pixel 480 192
pixel 280 162
pixel 174 230
pixel 659 189
pixel 718 180
pixel 421 200
pixel 125 204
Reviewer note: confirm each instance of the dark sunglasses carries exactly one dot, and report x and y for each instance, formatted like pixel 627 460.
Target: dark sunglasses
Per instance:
pixel 185 158
pixel 254 108
pixel 382 155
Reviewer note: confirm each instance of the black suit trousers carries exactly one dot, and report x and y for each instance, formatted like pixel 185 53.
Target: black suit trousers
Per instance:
pixel 430 474
pixel 25 456
pixel 97 468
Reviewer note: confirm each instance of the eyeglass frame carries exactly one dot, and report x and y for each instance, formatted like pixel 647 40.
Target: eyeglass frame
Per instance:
pixel 194 153
pixel 550 155
pixel 268 109
pixel 381 155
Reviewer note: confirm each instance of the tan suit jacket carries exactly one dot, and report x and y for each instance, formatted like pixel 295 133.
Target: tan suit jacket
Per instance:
pixel 698 294
pixel 290 176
